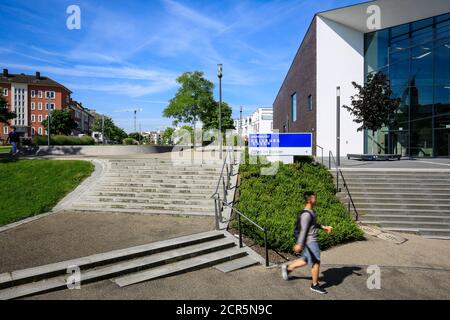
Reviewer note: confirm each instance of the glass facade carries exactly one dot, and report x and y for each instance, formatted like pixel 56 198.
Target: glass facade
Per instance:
pixel 416 58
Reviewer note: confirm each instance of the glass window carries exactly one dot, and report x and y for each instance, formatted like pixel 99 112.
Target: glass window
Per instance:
pixel 421 67
pixel 294 107
pixel 310 103
pixel 443 26
pixel 399 73
pixel 442 62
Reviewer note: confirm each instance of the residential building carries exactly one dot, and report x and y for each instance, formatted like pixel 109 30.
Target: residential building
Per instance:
pixel 83 117
pixel 28 96
pixel 260 121
pixel 409 41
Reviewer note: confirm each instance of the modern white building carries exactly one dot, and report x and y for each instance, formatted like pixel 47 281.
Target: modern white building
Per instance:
pixel 409 41
pixel 260 121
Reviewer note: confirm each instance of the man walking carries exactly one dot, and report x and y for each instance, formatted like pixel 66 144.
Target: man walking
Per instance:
pixel 13 139
pixel 306 231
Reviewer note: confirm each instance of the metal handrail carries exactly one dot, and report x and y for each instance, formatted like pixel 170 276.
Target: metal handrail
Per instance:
pixel 263 229
pixel 321 149
pixel 339 173
pixel 219 202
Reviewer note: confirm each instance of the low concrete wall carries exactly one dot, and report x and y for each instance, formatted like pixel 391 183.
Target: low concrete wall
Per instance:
pixel 103 150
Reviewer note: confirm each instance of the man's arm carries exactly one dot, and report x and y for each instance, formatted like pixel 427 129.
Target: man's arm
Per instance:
pixel 305 221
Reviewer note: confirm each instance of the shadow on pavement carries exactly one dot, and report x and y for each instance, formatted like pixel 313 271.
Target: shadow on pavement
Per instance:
pixel 335 276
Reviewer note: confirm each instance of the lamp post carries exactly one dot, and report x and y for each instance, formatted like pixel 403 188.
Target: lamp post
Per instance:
pixel 240 128
pixel 338 126
pixel 219 75
pixel 103 129
pixel 49 107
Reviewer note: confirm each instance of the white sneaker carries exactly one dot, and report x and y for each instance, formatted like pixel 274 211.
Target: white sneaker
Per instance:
pixel 285 272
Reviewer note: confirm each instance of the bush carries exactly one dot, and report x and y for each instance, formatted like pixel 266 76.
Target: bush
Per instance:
pixel 60 140
pixel 274 202
pixel 129 141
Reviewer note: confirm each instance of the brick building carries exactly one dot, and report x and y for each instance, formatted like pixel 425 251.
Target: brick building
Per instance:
pixel 28 96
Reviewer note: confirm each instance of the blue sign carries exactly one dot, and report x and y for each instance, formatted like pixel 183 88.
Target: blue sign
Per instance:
pixel 283 144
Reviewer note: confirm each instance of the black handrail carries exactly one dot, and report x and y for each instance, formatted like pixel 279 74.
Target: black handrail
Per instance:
pixel 339 173
pixel 321 149
pixel 219 203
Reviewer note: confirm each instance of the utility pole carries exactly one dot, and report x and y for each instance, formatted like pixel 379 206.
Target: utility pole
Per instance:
pixel 219 75
pixel 338 126
pixel 48 119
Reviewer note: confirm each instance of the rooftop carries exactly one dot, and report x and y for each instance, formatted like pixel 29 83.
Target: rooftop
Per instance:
pixel 37 79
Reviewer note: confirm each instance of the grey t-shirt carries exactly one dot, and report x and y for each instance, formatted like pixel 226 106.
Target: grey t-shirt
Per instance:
pixel 308 227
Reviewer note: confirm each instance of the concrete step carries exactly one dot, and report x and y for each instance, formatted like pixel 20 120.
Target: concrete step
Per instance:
pixel 150 195
pixel 405 217
pixel 390 195
pixel 155 186
pixel 395 184
pixel 37 273
pixel 426 232
pixel 206 182
pixel 148 206
pixel 365 210
pixel 410 224
pixel 157 260
pixel 416 200
pixel 160 201
pixel 396 189
pixel 144 211
pixel 404 205
pixel 389 179
pixel 171 175
pixel 143 190
pixel 236 264
pixel 195 263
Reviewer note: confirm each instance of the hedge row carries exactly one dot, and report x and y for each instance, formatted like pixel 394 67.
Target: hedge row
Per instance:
pixel 274 201
pixel 60 140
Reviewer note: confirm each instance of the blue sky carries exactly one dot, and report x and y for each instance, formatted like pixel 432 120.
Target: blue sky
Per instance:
pixel 128 54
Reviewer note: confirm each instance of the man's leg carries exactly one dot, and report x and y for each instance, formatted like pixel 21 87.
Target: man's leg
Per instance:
pixel 315 273
pixel 14 147
pixel 296 264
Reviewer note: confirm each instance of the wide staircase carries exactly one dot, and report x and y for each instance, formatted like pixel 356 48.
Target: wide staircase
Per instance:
pixel 152 186
pixel 411 201
pixel 132 265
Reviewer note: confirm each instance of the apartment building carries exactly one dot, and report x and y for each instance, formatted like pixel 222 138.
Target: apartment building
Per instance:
pixel 260 121
pixel 83 117
pixel 31 97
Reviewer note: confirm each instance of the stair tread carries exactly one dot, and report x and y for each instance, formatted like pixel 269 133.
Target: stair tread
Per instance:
pixel 108 256
pixel 236 264
pixel 177 267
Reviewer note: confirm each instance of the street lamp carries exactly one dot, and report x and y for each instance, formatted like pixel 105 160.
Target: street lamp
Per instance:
pixel 338 126
pixel 219 75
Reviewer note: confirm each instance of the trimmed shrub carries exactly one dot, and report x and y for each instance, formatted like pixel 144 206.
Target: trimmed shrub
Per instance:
pixel 60 140
pixel 129 141
pixel 274 201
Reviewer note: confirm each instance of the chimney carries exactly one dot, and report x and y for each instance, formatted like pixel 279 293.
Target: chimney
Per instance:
pixel 5 72
pixel 38 75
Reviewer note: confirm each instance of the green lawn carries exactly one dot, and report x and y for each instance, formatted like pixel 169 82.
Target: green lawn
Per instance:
pixel 31 187
pixel 5 149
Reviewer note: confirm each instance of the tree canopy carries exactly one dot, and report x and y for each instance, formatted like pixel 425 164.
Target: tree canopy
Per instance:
pixel 112 132
pixel 373 106
pixel 5 114
pixel 194 101
pixel 61 122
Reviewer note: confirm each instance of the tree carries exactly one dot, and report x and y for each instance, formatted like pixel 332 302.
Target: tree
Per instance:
pixel 194 96
pixel 136 136
pixel 5 114
pixel 61 122
pixel 112 132
pixel 166 136
pixel 210 117
pixel 373 107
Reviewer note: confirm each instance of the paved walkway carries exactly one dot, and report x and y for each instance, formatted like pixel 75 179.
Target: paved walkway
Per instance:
pixel 417 269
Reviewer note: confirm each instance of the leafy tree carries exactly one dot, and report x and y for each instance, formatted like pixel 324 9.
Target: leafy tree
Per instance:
pixel 5 114
pixel 194 96
pixel 136 136
pixel 61 122
pixel 372 107
pixel 210 117
pixel 112 132
pixel 166 136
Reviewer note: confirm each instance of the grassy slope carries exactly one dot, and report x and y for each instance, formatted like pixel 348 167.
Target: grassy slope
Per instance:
pixel 30 187
pixel 274 201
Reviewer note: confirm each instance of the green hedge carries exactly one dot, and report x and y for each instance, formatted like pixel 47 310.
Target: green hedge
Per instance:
pixel 274 201
pixel 129 141
pixel 64 140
